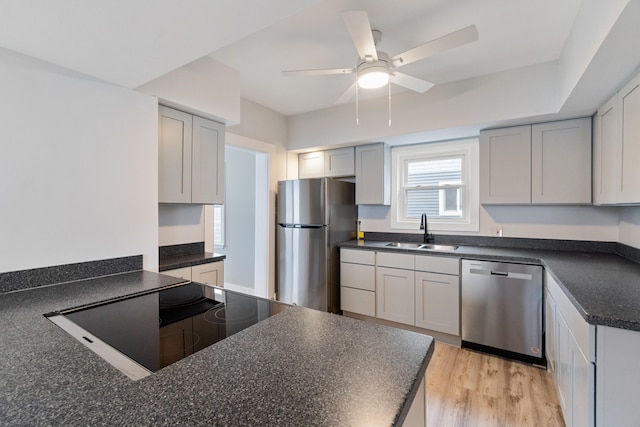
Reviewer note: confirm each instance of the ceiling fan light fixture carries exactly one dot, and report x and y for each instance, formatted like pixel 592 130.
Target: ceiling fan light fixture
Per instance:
pixel 372 76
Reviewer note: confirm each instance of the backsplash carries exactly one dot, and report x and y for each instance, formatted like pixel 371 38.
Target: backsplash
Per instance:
pixel 25 279
pixel 181 249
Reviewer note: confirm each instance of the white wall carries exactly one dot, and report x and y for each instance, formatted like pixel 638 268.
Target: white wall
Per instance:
pixel 78 170
pixel 264 125
pixel 630 226
pixel 240 213
pixel 204 87
pixel 179 224
pixel 536 222
pixel 510 95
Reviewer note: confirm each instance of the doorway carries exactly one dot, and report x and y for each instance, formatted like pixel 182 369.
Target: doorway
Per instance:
pixel 241 225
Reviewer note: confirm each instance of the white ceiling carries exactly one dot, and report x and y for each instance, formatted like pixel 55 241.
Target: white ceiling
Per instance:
pixel 130 42
pixel 512 34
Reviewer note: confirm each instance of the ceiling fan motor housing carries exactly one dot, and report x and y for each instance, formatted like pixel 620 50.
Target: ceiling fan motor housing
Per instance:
pixel 373 74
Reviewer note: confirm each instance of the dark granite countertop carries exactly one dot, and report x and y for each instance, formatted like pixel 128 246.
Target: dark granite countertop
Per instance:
pixel 299 367
pixel 181 261
pixel 604 287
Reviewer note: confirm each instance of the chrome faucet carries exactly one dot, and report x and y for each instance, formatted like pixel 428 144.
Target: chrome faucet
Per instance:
pixel 424 226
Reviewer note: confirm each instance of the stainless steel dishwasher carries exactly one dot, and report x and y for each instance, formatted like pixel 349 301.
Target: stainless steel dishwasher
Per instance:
pixel 502 309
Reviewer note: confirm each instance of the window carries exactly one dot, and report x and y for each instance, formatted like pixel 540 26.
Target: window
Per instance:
pixel 439 179
pixel 218 226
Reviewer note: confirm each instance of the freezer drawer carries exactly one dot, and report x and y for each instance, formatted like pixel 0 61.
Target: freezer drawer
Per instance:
pixel 303 268
pixel 502 306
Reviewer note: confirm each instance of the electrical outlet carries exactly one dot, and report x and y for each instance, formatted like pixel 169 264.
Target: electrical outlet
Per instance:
pixel 497 232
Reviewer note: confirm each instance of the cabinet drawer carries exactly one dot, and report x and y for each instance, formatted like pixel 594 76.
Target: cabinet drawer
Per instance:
pixel 393 260
pixel 438 264
pixel 358 301
pixel 358 256
pixel 358 276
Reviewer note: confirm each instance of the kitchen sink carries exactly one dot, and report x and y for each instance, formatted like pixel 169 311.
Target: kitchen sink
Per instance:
pixel 405 245
pixel 423 246
pixel 434 247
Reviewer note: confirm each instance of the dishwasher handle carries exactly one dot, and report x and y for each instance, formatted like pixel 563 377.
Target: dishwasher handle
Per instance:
pixel 507 274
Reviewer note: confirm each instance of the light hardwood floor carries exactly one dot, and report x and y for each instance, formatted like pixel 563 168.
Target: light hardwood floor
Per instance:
pixel 467 388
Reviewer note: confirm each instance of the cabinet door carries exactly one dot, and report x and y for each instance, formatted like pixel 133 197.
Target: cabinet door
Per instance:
pixel 565 368
pixel 550 333
pixel 174 156
pixel 339 162
pixel 629 151
pixel 583 379
pixel 438 302
pixel 505 165
pixel 210 274
pixel 618 377
pixel 605 154
pixel 181 273
pixel 561 162
pixel 373 174
pixel 311 165
pixel 395 295
pixel 207 162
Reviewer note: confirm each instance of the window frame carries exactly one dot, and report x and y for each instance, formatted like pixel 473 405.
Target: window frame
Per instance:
pixel 218 240
pixel 468 149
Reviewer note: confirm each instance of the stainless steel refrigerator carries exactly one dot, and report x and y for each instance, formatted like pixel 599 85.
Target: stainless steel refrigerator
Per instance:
pixel 314 215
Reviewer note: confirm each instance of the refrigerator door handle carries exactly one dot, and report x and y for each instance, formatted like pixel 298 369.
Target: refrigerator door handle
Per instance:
pixel 300 226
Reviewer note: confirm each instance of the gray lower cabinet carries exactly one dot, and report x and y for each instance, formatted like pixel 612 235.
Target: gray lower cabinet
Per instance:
pixel 358 282
pixel 415 290
pixel 571 353
pixel 210 273
pixel 395 295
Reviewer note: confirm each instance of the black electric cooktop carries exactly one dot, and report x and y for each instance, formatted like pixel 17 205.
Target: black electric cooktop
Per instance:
pixel 159 328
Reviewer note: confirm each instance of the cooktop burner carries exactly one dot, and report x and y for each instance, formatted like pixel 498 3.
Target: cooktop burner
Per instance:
pixel 143 334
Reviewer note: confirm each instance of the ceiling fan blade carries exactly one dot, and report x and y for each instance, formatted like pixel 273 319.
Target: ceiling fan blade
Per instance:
pixel 318 72
pixel 358 25
pixel 348 94
pixel 410 82
pixel 457 38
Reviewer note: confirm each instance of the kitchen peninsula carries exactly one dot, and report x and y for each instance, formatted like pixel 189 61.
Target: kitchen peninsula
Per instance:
pixel 299 367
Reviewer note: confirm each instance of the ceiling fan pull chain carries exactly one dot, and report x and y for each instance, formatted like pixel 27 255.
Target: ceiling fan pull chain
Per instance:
pixel 389 85
pixel 357 109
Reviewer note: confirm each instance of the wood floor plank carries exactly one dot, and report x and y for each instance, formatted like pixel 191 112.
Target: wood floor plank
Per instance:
pixel 467 389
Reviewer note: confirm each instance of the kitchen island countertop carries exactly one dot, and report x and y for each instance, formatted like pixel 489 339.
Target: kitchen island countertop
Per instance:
pixel 299 367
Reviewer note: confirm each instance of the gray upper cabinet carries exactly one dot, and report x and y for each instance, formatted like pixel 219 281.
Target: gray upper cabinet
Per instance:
pixel 190 158
pixel 505 165
pixel 207 165
pixel 311 165
pixel 561 162
pixel 339 162
pixel 373 174
pixel 629 142
pixel 616 148
pixel 605 153
pixel 545 163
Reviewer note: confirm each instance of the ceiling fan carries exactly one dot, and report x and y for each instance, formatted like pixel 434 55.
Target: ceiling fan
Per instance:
pixel 375 68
